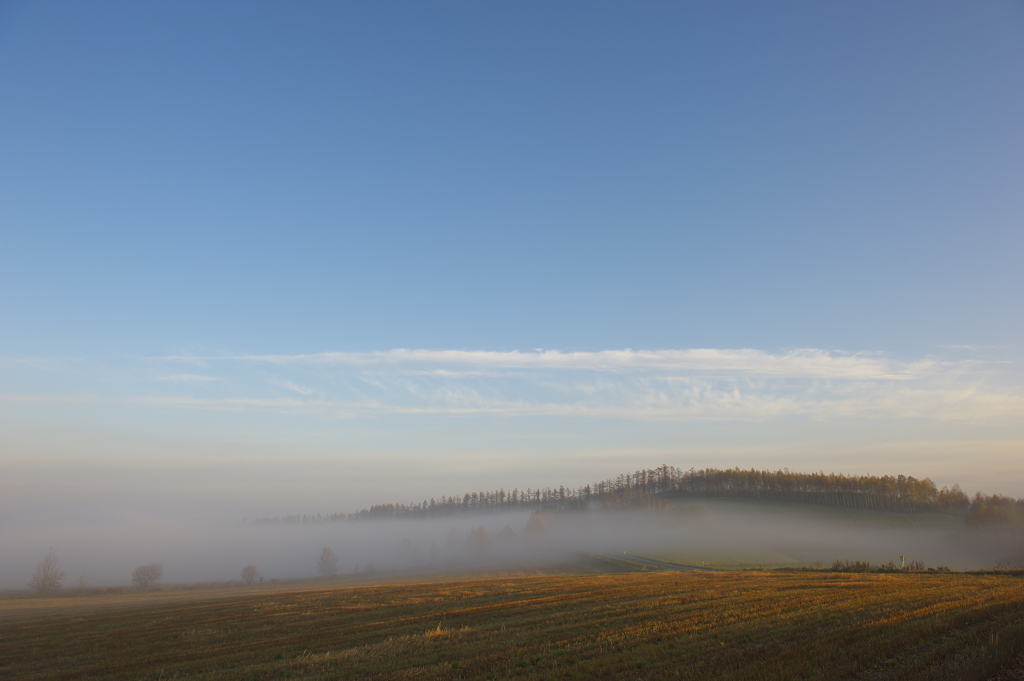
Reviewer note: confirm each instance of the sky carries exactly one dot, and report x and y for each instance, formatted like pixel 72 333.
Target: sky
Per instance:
pixel 261 258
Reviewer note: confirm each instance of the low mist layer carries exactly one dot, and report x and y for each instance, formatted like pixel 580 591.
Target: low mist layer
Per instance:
pixel 713 533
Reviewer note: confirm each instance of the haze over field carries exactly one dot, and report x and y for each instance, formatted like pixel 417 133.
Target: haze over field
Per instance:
pixel 727 536
pixel 260 259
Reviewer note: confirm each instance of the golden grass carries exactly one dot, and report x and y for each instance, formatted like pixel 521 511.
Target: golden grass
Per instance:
pixel 657 625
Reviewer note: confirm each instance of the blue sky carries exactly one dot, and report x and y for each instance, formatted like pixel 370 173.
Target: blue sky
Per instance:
pixel 691 233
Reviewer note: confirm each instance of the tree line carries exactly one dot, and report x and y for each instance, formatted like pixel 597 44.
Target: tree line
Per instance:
pixel 641 489
pixel 995 511
pixel 49 575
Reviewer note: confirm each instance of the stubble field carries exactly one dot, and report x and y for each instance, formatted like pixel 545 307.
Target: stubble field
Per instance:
pixel 739 625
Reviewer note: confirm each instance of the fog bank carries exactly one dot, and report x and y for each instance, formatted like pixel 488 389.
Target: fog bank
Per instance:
pixel 721 533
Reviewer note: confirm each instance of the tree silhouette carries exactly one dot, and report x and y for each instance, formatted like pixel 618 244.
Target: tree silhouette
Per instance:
pixel 48 574
pixel 534 526
pixel 249 575
pixel 478 540
pixel 147 576
pixel 328 562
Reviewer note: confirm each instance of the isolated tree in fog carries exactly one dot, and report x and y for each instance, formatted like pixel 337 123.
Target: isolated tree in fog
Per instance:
pixel 478 540
pixel 147 576
pixel 48 575
pixel 328 562
pixel 249 575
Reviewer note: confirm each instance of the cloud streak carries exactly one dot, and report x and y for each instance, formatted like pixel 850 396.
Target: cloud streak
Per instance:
pixel 302 390
pixel 683 385
pixel 796 363
pixel 47 399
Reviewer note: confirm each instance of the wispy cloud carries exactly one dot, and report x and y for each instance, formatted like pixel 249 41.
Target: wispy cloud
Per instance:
pixel 47 399
pixel 44 363
pixel 702 384
pixel 186 378
pixel 238 403
pixel 803 363
pixel 293 387
pixel 185 359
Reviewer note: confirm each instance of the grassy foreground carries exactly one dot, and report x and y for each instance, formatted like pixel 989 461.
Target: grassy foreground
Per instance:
pixel 741 625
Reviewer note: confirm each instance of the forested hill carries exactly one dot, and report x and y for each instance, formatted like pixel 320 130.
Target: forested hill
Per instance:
pixel 651 489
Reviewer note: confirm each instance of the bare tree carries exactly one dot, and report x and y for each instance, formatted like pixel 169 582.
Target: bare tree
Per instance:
pixel 146 576
pixel 249 575
pixel 328 562
pixel 48 575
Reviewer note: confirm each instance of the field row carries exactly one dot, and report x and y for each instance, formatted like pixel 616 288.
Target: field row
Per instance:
pixel 663 625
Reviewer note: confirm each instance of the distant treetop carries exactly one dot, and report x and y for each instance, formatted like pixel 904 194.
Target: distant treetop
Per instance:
pixel 650 488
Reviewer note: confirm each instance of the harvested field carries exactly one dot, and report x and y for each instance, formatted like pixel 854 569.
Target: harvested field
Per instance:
pixel 738 625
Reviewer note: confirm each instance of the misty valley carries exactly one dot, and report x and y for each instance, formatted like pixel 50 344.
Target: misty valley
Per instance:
pixel 658 573
pixel 715 519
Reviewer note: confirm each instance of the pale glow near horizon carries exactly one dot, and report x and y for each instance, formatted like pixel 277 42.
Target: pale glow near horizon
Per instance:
pixel 489 419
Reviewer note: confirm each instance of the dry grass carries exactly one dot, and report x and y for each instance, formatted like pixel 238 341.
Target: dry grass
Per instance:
pixel 657 625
